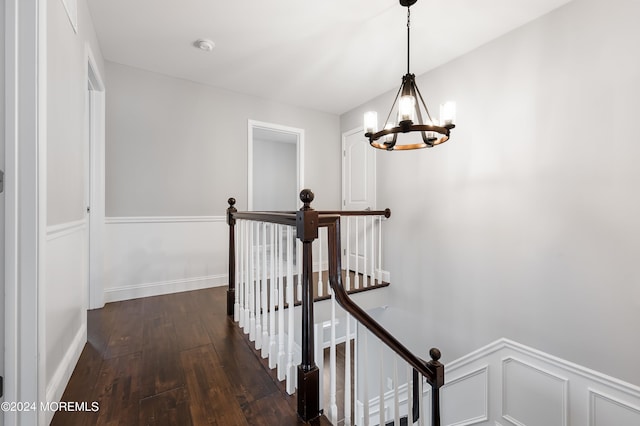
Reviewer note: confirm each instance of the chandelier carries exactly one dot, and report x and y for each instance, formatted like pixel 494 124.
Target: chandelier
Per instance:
pixel 408 111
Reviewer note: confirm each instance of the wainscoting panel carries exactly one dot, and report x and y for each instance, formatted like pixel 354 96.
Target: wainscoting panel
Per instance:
pixel 64 303
pixel 509 384
pixel 160 255
pixel 607 410
pixel 532 396
pixel 465 399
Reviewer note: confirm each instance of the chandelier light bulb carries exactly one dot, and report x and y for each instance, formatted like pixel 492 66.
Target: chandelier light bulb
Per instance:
pixel 370 122
pixel 406 108
pixel 448 113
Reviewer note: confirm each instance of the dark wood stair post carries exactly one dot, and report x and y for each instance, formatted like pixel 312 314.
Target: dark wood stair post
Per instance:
pixel 308 373
pixel 231 291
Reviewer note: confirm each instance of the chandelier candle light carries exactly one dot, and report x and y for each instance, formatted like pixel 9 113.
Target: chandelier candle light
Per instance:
pixel 409 113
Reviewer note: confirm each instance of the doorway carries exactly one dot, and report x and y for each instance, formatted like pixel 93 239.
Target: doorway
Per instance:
pixel 358 188
pixel 275 169
pixel 94 182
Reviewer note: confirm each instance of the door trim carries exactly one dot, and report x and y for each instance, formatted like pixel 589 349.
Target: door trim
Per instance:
pixel 25 218
pixel 253 124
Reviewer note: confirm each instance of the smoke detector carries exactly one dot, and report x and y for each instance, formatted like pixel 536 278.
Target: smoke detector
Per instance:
pixel 204 44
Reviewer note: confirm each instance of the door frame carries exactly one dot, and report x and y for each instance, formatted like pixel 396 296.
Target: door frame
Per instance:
pixel 25 208
pixel 253 124
pixel 96 178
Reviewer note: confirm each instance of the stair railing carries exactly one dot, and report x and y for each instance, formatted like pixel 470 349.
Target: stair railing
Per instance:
pixel 254 306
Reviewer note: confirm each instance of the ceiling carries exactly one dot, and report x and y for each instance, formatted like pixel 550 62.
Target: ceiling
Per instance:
pixel 328 55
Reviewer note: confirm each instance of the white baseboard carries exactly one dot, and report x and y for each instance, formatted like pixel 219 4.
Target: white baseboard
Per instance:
pixel 55 388
pixel 135 291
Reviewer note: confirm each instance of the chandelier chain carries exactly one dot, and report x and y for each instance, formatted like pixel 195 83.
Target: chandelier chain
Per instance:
pixel 408 36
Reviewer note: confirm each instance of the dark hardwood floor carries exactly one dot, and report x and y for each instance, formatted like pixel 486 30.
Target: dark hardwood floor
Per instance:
pixel 173 360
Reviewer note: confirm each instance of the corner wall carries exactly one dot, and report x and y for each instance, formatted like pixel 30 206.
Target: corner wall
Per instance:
pixel 525 224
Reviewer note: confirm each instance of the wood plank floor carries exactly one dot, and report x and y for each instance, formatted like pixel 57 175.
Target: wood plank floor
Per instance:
pixel 173 360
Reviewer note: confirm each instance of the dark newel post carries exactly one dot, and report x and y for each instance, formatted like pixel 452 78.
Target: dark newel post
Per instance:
pixel 438 381
pixel 231 291
pixel 308 373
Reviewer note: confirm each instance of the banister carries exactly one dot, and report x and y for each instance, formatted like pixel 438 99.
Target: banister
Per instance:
pixel 307 222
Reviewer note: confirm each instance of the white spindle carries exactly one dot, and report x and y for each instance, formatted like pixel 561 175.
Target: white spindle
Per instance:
pixel 409 395
pixel 273 295
pixel 348 235
pixel 421 421
pixel 365 382
pixel 320 289
pixel 281 354
pixel 380 249
pixel 252 284
pixel 396 399
pixel 356 257
pixel 236 302
pixel 365 253
pixel 299 268
pixel 291 368
pixel 258 271
pixel 381 381
pixel 241 277
pixel 347 371
pixel 333 405
pixel 372 273
pixel 318 335
pixel 247 278
pixel 264 291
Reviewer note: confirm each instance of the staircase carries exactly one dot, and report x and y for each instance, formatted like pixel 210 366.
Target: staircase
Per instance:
pixel 271 269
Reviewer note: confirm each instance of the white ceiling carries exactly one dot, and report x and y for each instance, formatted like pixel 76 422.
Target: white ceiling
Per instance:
pixel 328 55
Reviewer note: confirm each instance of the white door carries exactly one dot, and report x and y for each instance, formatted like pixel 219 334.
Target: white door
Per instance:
pixel 358 193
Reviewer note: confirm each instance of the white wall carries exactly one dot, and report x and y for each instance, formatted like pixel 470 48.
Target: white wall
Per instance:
pixel 65 277
pixel 275 174
pixel 175 152
pixel 525 224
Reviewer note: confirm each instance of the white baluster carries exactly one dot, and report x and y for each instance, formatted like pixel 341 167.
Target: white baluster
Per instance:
pixel 299 268
pixel 356 257
pixel 421 421
pixel 273 296
pixel 252 284
pixel 380 249
pixel 348 234
pixel 372 274
pixel 258 277
pixel 396 399
pixel 318 336
pixel 236 303
pixel 281 353
pixel 409 395
pixel 333 405
pixel 347 371
pixel 365 382
pixel 381 381
pixel 319 245
pixel 264 291
pixel 247 278
pixel 291 368
pixel 365 253
pixel 241 277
